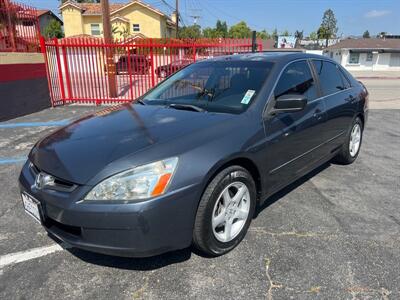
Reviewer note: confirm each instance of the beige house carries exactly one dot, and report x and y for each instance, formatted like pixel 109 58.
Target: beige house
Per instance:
pixel 130 19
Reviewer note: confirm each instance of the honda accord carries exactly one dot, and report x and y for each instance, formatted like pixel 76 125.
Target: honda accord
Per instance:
pixel 189 161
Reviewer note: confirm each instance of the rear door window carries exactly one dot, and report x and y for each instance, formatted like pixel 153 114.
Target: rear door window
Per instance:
pixel 297 79
pixel 331 78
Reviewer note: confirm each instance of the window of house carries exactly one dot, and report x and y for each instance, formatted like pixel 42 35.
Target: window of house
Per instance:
pixel 354 58
pixel 297 79
pixel 95 29
pixel 369 56
pixel 331 78
pixel 136 27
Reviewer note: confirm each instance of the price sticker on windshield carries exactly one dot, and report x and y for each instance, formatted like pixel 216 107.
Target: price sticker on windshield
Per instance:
pixel 247 97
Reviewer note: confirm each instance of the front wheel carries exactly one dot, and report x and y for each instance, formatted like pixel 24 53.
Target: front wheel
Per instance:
pixel 352 144
pixel 225 211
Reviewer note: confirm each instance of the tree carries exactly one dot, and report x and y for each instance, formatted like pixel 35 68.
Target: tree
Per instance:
pixel 221 29
pixel 190 32
pixel 240 30
pixel 314 36
pixel 210 33
pixel 53 30
pixel 263 34
pixel 328 28
pixel 285 33
pixel 299 34
pixel 366 34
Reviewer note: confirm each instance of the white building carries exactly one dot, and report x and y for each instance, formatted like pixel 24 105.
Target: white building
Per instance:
pixel 372 54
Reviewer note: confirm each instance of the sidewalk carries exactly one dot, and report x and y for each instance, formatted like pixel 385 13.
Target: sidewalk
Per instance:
pixel 376 74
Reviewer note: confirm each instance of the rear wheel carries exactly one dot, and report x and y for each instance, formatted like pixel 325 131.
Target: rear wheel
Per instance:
pixel 225 211
pixel 352 145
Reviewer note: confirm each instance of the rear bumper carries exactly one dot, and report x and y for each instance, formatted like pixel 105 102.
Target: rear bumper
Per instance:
pixel 134 229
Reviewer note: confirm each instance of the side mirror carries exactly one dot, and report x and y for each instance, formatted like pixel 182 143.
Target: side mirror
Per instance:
pixel 290 103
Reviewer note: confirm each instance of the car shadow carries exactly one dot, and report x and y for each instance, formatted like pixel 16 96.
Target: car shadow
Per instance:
pixel 132 263
pixel 282 193
pixel 178 256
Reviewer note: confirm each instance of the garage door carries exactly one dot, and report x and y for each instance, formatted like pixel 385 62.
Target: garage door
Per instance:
pixel 395 60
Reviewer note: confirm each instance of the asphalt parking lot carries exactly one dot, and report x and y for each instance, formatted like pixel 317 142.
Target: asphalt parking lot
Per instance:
pixel 334 234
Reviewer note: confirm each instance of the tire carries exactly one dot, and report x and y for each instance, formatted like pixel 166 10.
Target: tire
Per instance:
pixel 347 156
pixel 215 240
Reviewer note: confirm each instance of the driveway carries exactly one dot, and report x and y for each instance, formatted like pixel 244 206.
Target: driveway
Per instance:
pixel 334 234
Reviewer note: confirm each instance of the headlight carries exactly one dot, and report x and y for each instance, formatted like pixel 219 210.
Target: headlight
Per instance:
pixel 142 182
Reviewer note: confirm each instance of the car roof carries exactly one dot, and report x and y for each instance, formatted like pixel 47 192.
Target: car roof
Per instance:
pixel 272 56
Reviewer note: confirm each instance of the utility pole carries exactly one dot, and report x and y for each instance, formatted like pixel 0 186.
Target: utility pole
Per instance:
pixel 111 68
pixel 177 18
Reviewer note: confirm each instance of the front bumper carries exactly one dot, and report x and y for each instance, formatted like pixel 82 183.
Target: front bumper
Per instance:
pixel 134 229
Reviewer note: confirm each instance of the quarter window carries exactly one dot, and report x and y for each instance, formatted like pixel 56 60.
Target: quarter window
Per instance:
pixel 354 58
pixel 331 78
pixel 95 29
pixel 136 27
pixel 297 79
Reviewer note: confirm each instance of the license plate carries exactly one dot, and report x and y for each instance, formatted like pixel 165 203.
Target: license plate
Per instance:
pixel 32 206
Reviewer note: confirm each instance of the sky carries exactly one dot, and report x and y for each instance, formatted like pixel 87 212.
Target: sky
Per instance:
pixel 354 16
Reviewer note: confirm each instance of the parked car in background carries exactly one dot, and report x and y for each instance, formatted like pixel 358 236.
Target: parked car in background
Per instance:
pixel 133 64
pixel 189 162
pixel 166 70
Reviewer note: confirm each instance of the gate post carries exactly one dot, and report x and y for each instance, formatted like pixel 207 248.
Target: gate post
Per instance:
pixel 60 75
pixel 46 64
pixel 194 52
pixel 153 82
pixel 64 52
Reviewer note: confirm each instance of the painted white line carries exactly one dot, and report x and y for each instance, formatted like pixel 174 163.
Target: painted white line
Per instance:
pixel 17 257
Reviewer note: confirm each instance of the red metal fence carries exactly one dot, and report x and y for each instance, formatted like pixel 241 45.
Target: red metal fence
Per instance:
pixel 88 70
pixel 19 27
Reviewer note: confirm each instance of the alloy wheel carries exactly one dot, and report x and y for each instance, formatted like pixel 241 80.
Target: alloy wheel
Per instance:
pixel 355 139
pixel 231 211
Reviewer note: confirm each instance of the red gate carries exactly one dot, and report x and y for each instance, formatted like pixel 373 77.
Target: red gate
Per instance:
pixel 88 70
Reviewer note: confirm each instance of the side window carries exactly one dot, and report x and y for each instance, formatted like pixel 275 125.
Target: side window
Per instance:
pixel 296 79
pixel 331 78
pixel 345 80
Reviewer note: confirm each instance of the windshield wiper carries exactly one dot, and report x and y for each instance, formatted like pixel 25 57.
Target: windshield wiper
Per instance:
pixel 186 107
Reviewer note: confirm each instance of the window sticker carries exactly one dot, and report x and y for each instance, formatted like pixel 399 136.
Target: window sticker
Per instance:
pixel 247 97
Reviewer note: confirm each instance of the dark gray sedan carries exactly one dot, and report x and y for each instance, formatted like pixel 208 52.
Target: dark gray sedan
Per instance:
pixel 189 161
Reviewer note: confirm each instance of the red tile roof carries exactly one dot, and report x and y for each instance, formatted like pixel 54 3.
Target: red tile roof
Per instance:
pixel 372 43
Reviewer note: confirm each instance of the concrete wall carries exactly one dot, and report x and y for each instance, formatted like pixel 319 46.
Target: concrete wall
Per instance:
pixel 23 84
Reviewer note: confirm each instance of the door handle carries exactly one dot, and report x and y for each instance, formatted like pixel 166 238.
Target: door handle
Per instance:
pixel 350 98
pixel 318 114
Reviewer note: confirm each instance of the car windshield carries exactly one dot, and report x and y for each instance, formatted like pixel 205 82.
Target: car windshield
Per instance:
pixel 222 86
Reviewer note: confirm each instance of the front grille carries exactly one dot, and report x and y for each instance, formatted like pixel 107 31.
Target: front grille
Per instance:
pixel 59 184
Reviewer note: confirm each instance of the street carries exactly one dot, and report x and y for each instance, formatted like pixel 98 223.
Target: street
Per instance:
pixel 384 93
pixel 334 234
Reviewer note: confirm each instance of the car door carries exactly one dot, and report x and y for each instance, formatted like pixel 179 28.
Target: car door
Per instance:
pixel 294 138
pixel 340 102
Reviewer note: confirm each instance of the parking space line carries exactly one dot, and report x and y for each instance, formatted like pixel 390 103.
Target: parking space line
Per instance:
pixel 12 160
pixel 17 257
pixel 36 124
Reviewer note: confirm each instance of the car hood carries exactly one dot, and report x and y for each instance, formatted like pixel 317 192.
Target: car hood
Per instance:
pixel 79 151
